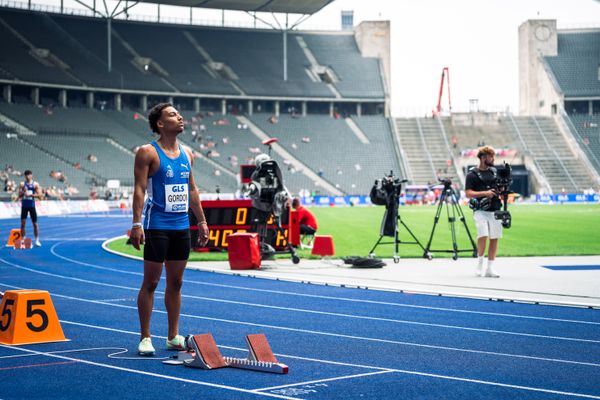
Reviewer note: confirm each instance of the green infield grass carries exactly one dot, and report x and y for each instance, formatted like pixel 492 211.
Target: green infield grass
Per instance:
pixel 537 230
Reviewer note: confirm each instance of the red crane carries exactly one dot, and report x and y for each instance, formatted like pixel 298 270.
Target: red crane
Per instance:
pixel 438 109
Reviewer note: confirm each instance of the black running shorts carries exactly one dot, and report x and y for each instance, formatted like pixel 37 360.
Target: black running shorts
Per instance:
pixel 31 211
pixel 166 245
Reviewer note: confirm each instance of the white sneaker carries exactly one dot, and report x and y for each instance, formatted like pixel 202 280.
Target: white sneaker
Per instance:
pixel 145 347
pixel 479 271
pixel 177 343
pixel 491 274
pixel 38 243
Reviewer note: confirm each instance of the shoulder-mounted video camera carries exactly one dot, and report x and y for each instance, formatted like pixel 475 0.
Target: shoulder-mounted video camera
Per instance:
pixel 502 180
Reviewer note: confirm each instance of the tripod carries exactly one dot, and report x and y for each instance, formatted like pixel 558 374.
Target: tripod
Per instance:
pixel 396 220
pixel 450 199
pixel 266 250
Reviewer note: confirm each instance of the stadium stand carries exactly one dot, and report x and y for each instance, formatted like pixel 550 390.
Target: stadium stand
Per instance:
pixel 575 68
pixel 353 165
pixel 18 155
pixel 72 51
pixel 426 150
pixel 358 76
pixel 541 138
pixel 586 129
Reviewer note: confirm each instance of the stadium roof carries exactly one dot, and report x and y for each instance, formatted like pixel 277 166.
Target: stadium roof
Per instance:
pixel 276 6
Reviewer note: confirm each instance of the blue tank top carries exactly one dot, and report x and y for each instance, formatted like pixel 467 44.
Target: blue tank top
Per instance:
pixel 28 200
pixel 167 193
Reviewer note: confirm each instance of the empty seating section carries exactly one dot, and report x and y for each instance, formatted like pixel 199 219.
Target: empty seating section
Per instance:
pixel 587 134
pixel 576 65
pixel 543 140
pixel 379 155
pixel 328 146
pixel 254 56
pixel 182 60
pixel 425 149
pixel 112 163
pixel 358 76
pixel 23 156
pixel 16 59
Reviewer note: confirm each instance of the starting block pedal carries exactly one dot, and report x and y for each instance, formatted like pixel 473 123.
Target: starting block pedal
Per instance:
pixel 27 243
pixel 202 352
pixel 260 357
pixel 17 244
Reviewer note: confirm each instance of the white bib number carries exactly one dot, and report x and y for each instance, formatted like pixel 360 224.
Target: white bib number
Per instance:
pixel 176 198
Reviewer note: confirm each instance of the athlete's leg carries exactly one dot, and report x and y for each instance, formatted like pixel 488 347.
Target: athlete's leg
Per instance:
pixel 175 271
pixel 145 300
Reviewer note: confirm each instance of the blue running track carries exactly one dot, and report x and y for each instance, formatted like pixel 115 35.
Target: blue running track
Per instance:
pixel 339 343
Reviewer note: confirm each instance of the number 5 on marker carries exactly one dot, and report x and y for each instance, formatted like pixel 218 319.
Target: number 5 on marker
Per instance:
pixel 28 316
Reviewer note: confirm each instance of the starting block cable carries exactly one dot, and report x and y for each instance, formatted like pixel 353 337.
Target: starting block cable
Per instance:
pixel 119 350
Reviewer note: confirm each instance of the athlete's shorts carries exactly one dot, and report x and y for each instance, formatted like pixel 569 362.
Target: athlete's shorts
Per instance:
pixel 487 225
pixel 31 211
pixel 167 245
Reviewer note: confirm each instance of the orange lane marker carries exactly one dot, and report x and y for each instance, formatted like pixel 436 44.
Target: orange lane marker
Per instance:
pixel 27 317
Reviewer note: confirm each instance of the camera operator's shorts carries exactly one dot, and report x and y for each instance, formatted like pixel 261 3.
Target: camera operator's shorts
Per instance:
pixel 167 245
pixel 487 225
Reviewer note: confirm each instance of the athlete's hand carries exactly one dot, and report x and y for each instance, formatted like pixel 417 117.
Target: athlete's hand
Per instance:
pixel 202 234
pixel 490 193
pixel 137 237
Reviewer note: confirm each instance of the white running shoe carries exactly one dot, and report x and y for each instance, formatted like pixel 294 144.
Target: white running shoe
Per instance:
pixel 491 274
pixel 177 343
pixel 145 347
pixel 38 243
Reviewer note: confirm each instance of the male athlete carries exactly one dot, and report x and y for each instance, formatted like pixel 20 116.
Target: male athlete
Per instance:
pixel 163 172
pixel 29 190
pixel 480 184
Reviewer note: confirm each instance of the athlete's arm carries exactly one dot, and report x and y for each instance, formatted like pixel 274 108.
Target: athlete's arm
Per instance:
pixel 196 205
pixel 21 190
pixel 38 191
pixel 143 160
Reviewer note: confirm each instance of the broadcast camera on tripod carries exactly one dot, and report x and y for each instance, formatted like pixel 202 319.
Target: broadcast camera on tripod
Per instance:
pixel 271 198
pixel 386 192
pixel 449 198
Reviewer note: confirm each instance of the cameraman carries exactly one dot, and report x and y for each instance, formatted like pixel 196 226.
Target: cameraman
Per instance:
pixel 480 187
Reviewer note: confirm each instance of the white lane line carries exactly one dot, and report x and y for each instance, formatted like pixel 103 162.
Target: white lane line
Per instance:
pixel 381 370
pixel 333 334
pixel 337 378
pixel 489 383
pixel 140 372
pixel 352 316
pixel 52 250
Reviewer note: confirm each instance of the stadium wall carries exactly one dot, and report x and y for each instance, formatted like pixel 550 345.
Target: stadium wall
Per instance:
pixel 373 40
pixel 538 94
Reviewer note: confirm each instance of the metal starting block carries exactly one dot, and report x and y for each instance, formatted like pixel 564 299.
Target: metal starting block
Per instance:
pixel 202 352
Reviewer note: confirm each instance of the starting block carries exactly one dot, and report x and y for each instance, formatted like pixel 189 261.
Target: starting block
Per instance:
pixel 203 353
pixel 19 244
pixel 27 317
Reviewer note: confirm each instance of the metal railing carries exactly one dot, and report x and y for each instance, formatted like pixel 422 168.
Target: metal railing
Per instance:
pixel 541 131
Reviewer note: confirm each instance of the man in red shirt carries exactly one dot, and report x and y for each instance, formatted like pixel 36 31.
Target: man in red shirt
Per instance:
pixel 306 219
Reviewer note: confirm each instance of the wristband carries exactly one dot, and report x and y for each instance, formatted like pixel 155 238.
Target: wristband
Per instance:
pixel 202 223
pixel 136 225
